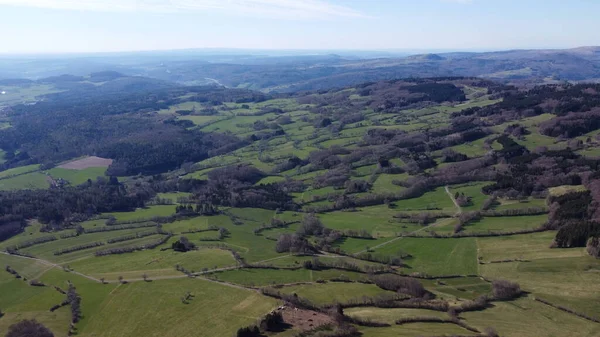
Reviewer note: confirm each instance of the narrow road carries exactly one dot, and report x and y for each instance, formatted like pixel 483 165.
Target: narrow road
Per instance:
pixel 395 239
pixel 48 263
pixel 215 81
pixel 453 200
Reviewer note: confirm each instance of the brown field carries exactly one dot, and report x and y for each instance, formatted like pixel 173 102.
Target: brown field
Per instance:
pixel 81 164
pixel 304 320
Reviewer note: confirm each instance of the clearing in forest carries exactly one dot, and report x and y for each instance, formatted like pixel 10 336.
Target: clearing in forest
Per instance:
pixel 87 162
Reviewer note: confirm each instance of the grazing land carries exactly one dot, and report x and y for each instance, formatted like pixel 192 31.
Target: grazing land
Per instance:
pixel 437 207
pixel 85 163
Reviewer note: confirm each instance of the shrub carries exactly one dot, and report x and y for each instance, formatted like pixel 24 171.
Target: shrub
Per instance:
pixel 405 285
pixel 505 290
pixel 593 247
pixel 271 322
pixel 248 332
pixel 29 328
pixel 183 245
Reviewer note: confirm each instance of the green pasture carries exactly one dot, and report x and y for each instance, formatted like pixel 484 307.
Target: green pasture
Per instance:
pixel 18 170
pixel 377 220
pixel 30 181
pixel 77 177
pixel 506 223
pixel 153 263
pixel 333 292
pixel 437 199
pixel 144 213
pixel 434 256
pixel 472 190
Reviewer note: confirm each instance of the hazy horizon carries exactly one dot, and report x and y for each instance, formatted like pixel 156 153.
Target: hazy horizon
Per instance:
pixel 111 26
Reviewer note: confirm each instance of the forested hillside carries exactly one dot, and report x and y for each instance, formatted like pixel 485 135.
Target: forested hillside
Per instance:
pixel 433 206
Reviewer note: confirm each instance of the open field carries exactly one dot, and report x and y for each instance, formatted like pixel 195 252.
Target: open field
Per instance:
pixel 416 329
pixel 215 310
pixel 390 315
pixel 77 176
pixel 144 213
pixel 86 162
pixel 24 94
pixel 153 263
pixel 333 292
pixel 377 220
pixel 18 171
pixel 525 317
pixel 435 256
pixel 434 200
pixel 506 223
pixel 30 181
pixel 472 190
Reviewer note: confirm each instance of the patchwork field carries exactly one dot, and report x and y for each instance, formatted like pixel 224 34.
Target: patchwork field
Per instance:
pixel 321 208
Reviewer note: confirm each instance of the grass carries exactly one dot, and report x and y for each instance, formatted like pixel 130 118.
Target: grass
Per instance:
pixel 506 223
pixel 31 181
pixel 458 288
pixel 270 179
pixel 25 94
pixel 472 190
pixel 384 182
pixel 390 315
pixel 21 301
pixel 377 220
pixel 525 317
pixel 515 204
pixel 525 246
pixel 154 263
pixel 560 190
pixel 416 329
pixel 471 149
pixel 435 256
pixel 173 196
pixel 266 277
pixel 199 120
pixel 30 232
pixel 307 196
pixel 535 139
pixel 144 213
pixel 565 276
pixel 46 250
pixel 333 292
pixel 215 310
pixel 77 177
pixel 437 199
pixel 19 170
pixel 590 152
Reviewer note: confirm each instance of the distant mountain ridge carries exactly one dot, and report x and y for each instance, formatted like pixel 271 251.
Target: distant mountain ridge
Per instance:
pixel 288 73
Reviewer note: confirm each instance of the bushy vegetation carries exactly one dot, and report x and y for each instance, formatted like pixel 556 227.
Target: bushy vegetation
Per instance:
pixel 28 328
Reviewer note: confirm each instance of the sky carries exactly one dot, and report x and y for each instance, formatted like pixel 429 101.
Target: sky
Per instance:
pixel 70 26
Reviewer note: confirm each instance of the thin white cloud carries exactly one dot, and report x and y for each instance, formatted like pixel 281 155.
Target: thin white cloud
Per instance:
pixel 273 8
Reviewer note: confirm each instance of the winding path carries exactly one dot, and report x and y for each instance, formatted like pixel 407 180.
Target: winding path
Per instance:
pixel 453 200
pixel 395 239
pixel 48 263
